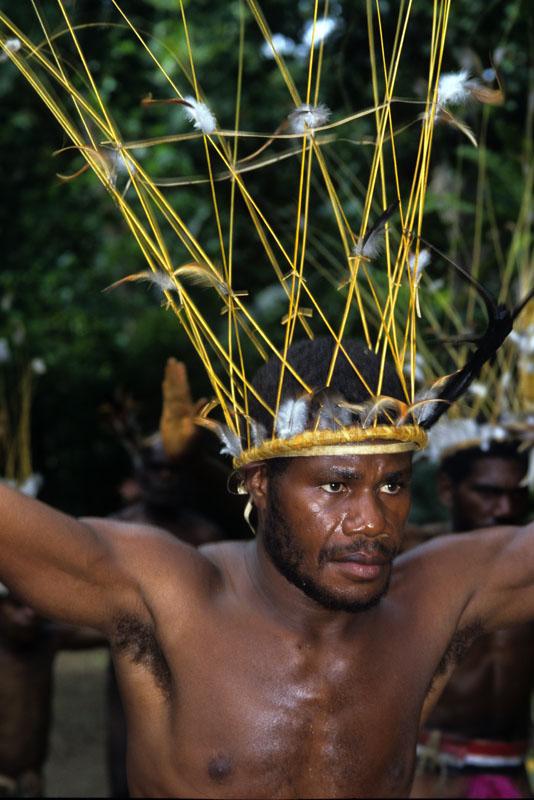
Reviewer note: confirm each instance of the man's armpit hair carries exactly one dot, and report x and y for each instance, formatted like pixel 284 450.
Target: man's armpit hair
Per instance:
pixel 138 641
pixel 458 646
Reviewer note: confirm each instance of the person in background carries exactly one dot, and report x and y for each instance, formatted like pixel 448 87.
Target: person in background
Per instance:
pixel 475 741
pixel 28 647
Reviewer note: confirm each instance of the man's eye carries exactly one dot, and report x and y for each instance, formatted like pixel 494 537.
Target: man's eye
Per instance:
pixel 334 487
pixel 391 488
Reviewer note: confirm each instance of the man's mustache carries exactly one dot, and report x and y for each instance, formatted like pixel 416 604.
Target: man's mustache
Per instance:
pixel 361 544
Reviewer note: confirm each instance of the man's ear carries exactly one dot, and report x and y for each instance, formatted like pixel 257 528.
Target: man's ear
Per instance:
pixel 445 489
pixel 256 484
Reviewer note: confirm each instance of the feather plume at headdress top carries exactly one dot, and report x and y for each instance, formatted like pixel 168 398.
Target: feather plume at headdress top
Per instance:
pixel 317 235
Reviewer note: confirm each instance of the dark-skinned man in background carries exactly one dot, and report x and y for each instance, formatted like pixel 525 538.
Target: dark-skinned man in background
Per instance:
pixel 476 738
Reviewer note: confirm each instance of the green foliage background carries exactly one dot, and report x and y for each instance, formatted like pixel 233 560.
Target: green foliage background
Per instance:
pixel 62 243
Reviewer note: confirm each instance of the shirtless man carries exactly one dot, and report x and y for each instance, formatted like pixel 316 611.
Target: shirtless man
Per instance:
pixel 488 696
pixel 295 665
pixel 28 647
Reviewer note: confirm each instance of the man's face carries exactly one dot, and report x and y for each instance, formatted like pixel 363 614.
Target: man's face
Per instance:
pixel 490 495
pixel 333 524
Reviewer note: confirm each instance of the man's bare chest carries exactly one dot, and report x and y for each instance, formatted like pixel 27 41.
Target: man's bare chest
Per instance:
pixel 278 719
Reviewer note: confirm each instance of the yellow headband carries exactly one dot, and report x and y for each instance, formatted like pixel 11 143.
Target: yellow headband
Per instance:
pixel 346 441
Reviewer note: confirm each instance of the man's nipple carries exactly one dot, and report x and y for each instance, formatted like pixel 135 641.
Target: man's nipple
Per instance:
pixel 220 767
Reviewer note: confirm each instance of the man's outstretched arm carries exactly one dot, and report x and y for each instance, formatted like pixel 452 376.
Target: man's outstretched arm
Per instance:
pixel 493 570
pixel 504 594
pixel 67 569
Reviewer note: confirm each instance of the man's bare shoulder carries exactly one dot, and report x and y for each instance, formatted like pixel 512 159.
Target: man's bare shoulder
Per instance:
pixel 454 565
pixel 153 557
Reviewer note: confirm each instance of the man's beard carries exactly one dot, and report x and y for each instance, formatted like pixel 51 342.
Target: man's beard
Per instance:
pixel 289 558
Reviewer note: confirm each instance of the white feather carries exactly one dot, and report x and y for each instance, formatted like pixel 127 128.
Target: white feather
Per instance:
pixel 318 31
pixel 380 406
pixel 162 280
pixel 371 248
pixel 279 44
pixel 307 117
pixel 200 115
pixel 13 45
pixel 453 88
pixel 418 266
pixel 230 441
pixel 332 416
pixel 258 432
pixel 292 417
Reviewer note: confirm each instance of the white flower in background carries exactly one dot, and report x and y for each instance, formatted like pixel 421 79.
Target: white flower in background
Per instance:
pixel 5 352
pixel 453 88
pixel 307 117
pixel 200 115
pixel 323 28
pixel 38 366
pixel 13 45
pixel 283 45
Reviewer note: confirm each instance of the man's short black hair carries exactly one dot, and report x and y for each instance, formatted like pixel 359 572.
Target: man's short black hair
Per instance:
pixel 459 464
pixel 311 358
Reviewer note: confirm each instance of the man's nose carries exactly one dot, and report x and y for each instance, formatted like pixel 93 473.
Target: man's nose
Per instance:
pixel 365 515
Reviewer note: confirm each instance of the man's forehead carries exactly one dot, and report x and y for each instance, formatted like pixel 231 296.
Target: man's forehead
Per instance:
pixel 354 464
pixel 495 471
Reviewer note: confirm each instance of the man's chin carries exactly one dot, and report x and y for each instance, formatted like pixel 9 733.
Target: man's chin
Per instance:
pixel 355 599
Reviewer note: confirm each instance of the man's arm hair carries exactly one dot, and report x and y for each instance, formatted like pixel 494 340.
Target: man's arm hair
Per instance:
pixel 79 571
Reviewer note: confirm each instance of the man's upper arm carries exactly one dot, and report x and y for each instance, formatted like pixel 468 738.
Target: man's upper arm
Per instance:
pixel 503 571
pixel 84 572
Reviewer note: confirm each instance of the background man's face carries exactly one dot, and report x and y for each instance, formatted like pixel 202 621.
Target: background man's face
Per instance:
pixel 490 494
pixel 333 524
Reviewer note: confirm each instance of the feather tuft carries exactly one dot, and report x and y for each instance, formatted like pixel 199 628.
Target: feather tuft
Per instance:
pixel 418 262
pixel 258 432
pixel 231 443
pixel 453 88
pixel 382 405
pixel 160 279
pixel 332 415
pixel 200 115
pixel 371 246
pixel 292 417
pixel 307 117
pixel 12 46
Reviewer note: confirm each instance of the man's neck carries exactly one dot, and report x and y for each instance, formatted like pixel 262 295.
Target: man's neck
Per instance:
pixel 288 604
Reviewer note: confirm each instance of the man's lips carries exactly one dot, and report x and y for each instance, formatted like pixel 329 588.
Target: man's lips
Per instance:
pixel 361 565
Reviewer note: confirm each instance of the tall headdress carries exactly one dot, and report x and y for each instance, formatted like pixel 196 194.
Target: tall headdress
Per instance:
pixel 344 257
